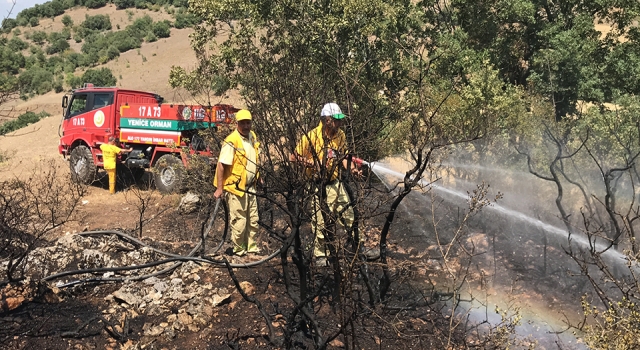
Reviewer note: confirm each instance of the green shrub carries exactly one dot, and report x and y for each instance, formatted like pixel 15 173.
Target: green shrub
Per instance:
pixel 162 29
pixel 58 46
pixel 67 21
pixel 150 38
pixel 180 3
pixel 124 4
pixel 140 4
pixel 15 44
pixel 38 37
pixel 112 52
pixel 11 61
pixel 94 4
pixel 34 21
pixel 140 26
pixel 185 19
pixel 22 121
pixel 55 36
pixel 99 77
pixel 22 22
pixel 73 81
pixel 8 24
pixel 35 80
pixel 125 42
pixel 97 22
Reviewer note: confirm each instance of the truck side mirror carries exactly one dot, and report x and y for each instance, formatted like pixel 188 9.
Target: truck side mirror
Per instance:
pixel 65 101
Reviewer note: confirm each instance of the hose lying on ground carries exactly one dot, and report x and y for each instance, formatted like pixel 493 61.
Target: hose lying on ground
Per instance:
pixel 179 259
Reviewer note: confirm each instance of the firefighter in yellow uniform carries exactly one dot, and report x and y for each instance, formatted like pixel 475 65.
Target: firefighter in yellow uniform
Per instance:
pixel 236 175
pixel 329 144
pixel 109 154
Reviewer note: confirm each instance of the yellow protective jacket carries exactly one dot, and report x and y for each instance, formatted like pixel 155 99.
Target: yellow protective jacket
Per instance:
pixel 315 139
pixel 109 155
pixel 234 178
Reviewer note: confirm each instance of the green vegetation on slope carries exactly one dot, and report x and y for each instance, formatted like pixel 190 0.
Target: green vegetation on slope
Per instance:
pixel 40 61
pixel 22 121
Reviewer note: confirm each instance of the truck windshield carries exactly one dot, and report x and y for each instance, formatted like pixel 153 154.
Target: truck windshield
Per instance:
pixel 78 105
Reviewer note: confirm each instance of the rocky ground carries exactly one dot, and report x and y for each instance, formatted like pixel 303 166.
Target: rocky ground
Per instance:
pixel 196 305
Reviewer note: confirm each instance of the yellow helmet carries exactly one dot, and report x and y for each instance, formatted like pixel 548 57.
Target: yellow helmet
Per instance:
pixel 243 114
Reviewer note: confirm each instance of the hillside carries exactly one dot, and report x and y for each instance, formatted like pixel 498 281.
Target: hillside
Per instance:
pixel 144 69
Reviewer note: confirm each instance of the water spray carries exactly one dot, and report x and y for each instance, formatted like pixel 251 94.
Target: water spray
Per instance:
pixel 615 256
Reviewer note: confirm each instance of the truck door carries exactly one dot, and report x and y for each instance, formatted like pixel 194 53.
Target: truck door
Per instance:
pixel 101 120
pixel 74 118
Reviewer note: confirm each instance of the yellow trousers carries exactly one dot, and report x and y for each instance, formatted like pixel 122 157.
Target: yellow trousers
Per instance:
pixel 243 219
pixel 337 200
pixel 112 180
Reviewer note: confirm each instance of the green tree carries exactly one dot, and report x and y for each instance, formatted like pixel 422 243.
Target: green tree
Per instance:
pixel 35 80
pixel 553 48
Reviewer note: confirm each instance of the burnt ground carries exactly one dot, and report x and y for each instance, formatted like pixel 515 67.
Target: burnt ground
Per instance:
pixel 197 305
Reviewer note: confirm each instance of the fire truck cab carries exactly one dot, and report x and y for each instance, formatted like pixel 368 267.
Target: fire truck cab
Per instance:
pixel 164 136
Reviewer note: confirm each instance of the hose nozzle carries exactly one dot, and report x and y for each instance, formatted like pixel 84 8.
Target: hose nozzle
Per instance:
pixel 359 161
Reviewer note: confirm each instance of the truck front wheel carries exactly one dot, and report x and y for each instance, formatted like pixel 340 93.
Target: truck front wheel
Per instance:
pixel 167 174
pixel 83 170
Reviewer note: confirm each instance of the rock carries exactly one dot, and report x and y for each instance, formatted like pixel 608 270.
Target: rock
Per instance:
pixel 126 297
pixel 12 303
pixel 188 203
pixel 208 310
pixel 169 333
pixel 248 288
pixel 51 295
pixel 219 299
pixel 152 280
pixel 154 310
pixel 154 331
pixel 154 296
pixel 185 318
pixel 93 257
pixel 200 321
pixel 160 286
pixel 72 242
pixel 336 343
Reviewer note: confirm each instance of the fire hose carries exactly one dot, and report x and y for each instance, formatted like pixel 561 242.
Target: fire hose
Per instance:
pixel 178 259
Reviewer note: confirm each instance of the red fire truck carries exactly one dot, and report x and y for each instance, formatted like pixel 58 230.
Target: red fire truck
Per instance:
pixel 163 136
